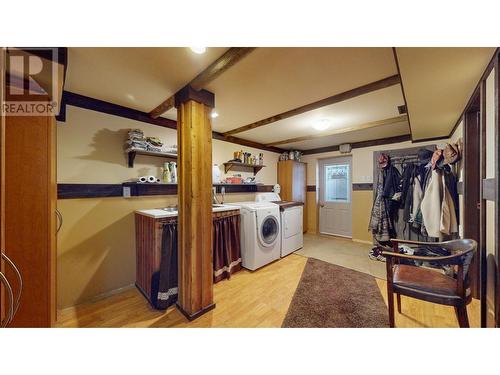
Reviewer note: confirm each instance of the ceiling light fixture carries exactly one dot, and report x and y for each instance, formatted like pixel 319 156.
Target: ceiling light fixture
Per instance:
pixel 198 50
pixel 214 114
pixel 322 124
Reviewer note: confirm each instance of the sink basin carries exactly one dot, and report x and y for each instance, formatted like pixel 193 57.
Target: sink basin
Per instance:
pixel 170 209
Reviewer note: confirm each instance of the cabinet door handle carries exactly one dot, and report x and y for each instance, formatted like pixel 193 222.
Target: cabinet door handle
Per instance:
pixel 59 220
pixel 9 316
pixel 19 281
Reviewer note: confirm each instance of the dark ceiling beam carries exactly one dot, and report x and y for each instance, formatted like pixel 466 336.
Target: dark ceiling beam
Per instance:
pixel 246 142
pixel 369 143
pixel 219 66
pixel 82 101
pixel 361 90
pixel 86 102
pixel 367 125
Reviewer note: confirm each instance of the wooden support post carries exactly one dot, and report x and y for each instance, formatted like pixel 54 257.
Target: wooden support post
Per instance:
pixel 194 137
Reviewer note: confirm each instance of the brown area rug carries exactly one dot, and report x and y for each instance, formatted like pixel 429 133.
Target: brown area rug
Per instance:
pixel 330 296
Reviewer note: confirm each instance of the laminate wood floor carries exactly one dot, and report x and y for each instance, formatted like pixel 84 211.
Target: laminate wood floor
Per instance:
pixel 249 299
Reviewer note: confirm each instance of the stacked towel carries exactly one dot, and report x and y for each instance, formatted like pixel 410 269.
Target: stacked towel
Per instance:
pixel 136 139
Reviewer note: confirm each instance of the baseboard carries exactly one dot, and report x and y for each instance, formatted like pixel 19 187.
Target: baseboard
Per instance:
pixel 197 314
pixel 362 241
pixel 99 296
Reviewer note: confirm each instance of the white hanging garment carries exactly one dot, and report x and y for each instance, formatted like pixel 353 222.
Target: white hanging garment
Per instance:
pixel 448 224
pixel 417 198
pixel 431 205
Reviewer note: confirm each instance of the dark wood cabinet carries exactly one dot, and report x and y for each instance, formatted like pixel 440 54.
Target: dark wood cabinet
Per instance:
pixel 30 215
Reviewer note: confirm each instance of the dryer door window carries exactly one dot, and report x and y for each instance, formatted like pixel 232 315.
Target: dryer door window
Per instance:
pixel 269 230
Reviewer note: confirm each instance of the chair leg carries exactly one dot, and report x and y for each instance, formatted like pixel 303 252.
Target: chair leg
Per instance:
pixel 390 303
pixel 398 298
pixel 463 318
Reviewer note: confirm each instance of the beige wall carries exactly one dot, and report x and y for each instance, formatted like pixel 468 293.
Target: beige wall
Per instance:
pixel 362 172
pixel 96 244
pixel 90 149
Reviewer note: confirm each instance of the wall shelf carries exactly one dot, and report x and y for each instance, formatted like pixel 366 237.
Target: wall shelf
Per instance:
pixel 242 167
pixel 132 154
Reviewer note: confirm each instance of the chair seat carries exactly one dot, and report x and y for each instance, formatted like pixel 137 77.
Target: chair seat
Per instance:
pixel 425 280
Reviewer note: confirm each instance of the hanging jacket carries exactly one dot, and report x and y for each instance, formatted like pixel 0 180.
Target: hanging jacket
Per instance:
pixel 450 180
pixel 431 204
pixel 380 224
pixel 417 196
pixel 448 223
pixel 392 192
pixel 406 188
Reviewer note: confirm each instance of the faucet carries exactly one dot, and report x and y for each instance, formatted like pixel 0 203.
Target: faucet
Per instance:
pixel 215 200
pixel 214 195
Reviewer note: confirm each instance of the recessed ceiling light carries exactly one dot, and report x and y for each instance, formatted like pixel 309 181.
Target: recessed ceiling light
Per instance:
pixel 214 114
pixel 322 124
pixel 198 50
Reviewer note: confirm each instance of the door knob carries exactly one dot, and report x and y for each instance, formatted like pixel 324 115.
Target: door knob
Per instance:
pixel 322 205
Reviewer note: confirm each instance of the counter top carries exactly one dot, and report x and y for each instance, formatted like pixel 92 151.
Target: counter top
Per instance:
pixel 158 213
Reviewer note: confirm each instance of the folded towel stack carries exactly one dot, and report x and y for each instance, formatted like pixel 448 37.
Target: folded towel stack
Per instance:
pixel 137 141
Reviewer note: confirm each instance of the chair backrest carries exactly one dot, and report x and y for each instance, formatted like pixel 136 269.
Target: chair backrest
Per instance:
pixel 466 248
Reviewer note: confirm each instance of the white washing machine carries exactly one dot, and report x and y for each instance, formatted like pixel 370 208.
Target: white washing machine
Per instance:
pixel 292 224
pixel 260 234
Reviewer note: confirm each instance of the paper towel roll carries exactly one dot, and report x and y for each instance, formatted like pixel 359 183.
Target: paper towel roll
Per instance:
pixel 142 179
pixel 151 179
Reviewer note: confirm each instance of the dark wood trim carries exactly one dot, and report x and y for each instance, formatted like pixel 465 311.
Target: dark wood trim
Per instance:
pixel 47 53
pixel 196 315
pixel 143 190
pixel 395 54
pixel 489 189
pixel 61 117
pixel 485 74
pixel 362 186
pixel 102 106
pixel 370 143
pixel 189 93
pixel 72 191
pixel 472 191
pixel 365 89
pixel 98 105
pixel 355 187
pixel 481 253
pixel 219 66
pixel 246 142
pixel 67 191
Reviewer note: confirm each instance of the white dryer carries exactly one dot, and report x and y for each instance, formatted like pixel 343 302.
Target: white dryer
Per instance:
pixel 260 234
pixel 292 233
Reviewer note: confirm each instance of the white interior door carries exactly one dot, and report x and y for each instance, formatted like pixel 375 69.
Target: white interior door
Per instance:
pixel 335 207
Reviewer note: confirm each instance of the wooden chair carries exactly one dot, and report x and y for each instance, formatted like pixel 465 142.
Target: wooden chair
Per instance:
pixel 427 284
